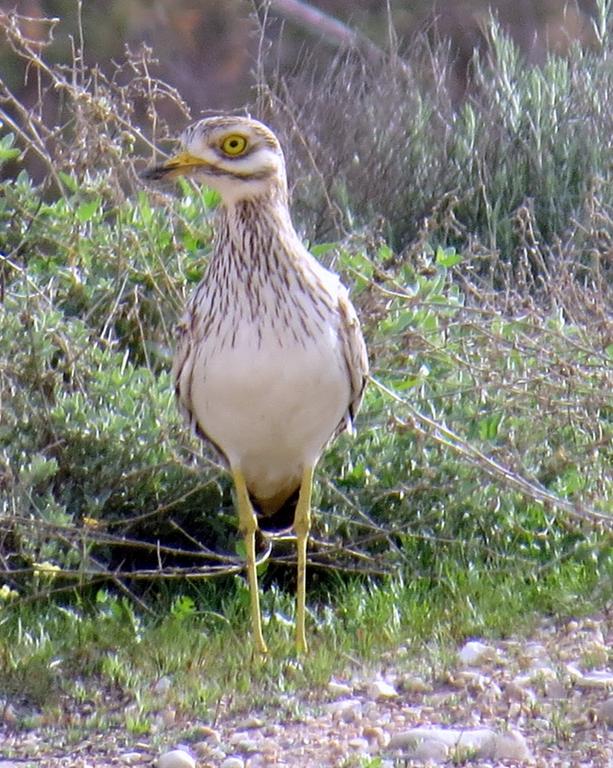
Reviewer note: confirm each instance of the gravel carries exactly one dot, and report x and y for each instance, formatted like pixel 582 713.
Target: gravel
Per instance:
pixel 544 702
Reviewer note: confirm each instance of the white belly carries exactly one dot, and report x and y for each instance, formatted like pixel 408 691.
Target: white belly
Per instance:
pixel 270 409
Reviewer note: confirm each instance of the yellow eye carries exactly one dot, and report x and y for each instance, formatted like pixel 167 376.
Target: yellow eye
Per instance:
pixel 233 145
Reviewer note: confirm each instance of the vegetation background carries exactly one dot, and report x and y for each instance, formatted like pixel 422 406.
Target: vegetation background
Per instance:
pixel 460 182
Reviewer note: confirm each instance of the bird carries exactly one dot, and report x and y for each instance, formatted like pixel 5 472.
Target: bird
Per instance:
pixel 270 363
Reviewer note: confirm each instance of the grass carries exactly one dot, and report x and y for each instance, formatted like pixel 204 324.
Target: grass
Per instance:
pixel 476 496
pixel 107 654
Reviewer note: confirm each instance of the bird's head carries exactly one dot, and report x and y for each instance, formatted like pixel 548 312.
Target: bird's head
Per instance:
pixel 239 157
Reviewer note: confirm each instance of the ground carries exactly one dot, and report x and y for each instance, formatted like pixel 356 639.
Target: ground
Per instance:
pixel 545 700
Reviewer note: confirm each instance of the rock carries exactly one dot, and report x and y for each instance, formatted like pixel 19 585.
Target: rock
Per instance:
pixel 554 689
pixel 243 741
pixel 475 653
pixel 233 762
pixel 515 691
pixel 359 745
pixel 511 746
pixel 240 737
pixel 133 758
pixel 250 722
pixel 348 710
pixel 379 689
pixel 176 758
pixel 598 678
pixel 202 748
pixel 432 750
pixel 605 712
pixel 338 688
pixel 206 733
pixel 376 735
pixel 412 684
pixel 481 740
pixel 163 685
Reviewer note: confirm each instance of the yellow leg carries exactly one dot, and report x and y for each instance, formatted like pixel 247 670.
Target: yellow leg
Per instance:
pixel 302 525
pixel 248 525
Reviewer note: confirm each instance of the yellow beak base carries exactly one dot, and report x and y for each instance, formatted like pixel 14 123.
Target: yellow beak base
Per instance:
pixel 178 165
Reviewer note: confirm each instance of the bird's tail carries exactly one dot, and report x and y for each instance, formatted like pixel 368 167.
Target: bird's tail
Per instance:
pixel 278 518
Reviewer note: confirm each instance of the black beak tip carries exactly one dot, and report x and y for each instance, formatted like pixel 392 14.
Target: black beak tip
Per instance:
pixel 155 173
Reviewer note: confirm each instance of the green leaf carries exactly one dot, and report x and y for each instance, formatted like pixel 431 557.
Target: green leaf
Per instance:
pixel 69 181
pixel 488 427
pixel 86 211
pixel 183 607
pixel 319 249
pixel 7 151
pixel 448 257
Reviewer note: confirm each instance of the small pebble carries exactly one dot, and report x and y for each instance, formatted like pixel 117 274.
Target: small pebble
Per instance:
pixel 233 762
pixel 379 689
pixel 250 722
pixel 475 652
pixel 176 758
pixel 359 745
pixel 204 732
pixel 376 735
pixel 415 685
pixel 132 758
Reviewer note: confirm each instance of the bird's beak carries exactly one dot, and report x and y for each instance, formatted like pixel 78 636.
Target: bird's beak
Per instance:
pixel 178 165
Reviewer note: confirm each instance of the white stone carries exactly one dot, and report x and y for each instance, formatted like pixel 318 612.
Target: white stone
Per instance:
pixel 475 652
pixel 511 746
pixel 132 758
pixel 233 762
pixel 481 740
pixel 237 737
pixel 176 758
pixel 379 689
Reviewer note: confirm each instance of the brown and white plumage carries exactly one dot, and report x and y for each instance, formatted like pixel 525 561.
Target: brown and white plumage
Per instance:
pixel 270 362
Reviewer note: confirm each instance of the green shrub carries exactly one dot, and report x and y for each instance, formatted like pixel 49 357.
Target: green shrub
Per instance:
pixel 485 440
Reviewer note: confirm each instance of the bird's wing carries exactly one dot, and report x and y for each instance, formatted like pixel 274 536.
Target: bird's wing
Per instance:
pixel 182 371
pixel 182 365
pixel 354 352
